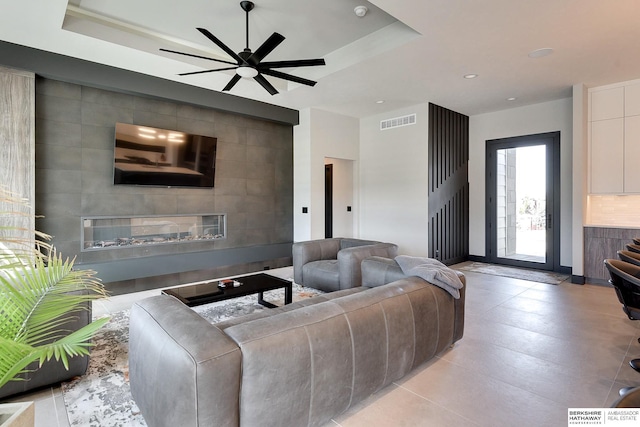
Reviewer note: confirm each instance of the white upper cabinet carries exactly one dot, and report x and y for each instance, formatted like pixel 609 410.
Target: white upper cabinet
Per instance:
pixel 607 156
pixel 614 139
pixel 632 154
pixel 632 100
pixel 607 104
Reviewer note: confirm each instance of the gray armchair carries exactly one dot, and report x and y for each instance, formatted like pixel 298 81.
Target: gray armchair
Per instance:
pixel 334 264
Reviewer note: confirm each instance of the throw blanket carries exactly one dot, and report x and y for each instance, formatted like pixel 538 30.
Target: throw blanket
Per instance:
pixel 433 271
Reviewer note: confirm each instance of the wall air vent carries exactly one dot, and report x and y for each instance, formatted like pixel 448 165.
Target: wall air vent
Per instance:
pixel 398 121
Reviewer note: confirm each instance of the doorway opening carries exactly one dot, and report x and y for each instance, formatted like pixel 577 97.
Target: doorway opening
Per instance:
pixel 523 186
pixel 328 201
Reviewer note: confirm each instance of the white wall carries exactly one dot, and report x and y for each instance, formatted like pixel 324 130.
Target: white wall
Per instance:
pixel 580 109
pixel 539 118
pixel 302 177
pixel 320 134
pixel 393 181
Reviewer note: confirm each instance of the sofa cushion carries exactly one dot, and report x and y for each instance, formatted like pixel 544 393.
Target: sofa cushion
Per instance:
pixel 323 275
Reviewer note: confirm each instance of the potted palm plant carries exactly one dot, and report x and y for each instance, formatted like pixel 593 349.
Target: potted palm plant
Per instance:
pixel 39 292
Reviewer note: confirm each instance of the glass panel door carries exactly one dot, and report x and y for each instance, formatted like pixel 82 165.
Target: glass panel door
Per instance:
pixel 521 203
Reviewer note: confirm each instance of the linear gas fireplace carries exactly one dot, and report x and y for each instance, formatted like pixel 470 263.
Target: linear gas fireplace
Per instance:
pixel 101 233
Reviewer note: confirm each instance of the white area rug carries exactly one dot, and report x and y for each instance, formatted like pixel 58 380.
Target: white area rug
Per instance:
pixel 516 273
pixel 102 398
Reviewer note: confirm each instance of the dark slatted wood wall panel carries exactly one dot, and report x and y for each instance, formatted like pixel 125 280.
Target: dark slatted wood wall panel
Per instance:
pixel 448 185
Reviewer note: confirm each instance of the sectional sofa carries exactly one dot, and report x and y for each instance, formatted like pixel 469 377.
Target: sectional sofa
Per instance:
pixel 298 365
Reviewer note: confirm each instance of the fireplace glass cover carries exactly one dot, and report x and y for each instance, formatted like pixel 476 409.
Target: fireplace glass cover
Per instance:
pixel 100 233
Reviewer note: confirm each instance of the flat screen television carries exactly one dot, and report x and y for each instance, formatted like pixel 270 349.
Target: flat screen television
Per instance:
pixel 145 155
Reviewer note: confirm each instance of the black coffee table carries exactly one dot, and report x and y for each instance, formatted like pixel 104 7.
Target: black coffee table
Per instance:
pixel 204 293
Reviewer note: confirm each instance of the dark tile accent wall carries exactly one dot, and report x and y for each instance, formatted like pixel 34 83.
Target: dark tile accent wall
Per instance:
pixel 75 128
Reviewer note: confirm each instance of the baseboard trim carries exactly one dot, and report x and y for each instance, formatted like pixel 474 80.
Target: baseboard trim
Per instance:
pixel 578 280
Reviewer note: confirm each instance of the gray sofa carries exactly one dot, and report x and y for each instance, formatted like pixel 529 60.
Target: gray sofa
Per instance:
pixel 334 264
pixel 298 365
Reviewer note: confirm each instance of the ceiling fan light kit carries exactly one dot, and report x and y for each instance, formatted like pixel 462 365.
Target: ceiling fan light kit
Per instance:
pixel 246 72
pixel 249 64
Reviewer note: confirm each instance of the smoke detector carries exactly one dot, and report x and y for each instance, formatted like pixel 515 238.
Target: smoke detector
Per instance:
pixel 360 11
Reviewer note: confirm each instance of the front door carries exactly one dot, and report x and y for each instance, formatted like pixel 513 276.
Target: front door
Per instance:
pixel 523 205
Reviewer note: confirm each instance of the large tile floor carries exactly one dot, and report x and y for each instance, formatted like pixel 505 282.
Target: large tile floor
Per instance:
pixel 530 352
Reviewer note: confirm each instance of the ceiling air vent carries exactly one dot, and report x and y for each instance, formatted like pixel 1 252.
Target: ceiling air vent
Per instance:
pixel 398 121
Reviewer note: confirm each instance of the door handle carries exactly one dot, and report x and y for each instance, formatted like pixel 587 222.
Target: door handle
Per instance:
pixel 549 222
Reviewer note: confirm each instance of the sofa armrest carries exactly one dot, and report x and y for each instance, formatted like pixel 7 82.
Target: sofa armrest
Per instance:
pixel 312 250
pixel 378 271
pixel 175 352
pixel 458 328
pixel 350 261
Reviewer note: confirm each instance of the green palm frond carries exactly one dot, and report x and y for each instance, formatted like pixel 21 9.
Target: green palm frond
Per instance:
pixel 14 357
pixel 40 293
pixel 17 356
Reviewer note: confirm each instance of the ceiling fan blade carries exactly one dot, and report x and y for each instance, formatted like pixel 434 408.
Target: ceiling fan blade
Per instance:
pixel 207 71
pixel 265 84
pixel 284 76
pixel 294 63
pixel 266 48
pixel 232 82
pixel 198 56
pixel 221 45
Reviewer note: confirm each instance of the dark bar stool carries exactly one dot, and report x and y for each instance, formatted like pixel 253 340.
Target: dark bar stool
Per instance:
pixel 633 248
pixel 625 278
pixel 630 257
pixel 631 399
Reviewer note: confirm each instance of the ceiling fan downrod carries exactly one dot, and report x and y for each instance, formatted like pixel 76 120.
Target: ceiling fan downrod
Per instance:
pixel 247 6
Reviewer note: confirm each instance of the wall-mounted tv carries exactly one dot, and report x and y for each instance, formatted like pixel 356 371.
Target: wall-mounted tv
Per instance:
pixel 145 155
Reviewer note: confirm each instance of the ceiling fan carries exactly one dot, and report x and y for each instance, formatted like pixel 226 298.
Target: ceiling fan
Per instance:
pixel 249 64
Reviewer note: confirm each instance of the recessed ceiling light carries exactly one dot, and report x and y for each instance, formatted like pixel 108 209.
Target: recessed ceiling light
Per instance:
pixel 380 101
pixel 539 53
pixel 360 11
pixel 470 76
pixel 513 98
